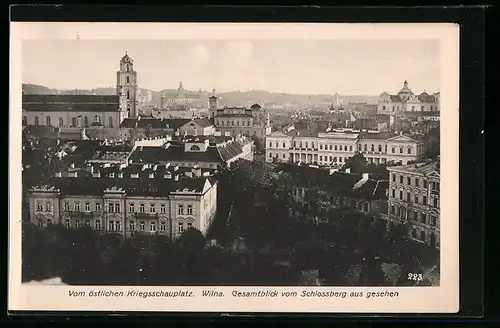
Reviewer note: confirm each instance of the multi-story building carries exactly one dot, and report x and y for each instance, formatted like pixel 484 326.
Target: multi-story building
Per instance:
pixel 253 121
pixel 414 200
pixel 337 145
pixel 405 100
pixel 151 202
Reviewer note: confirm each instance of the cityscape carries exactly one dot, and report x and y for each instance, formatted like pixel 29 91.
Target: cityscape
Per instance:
pixel 207 185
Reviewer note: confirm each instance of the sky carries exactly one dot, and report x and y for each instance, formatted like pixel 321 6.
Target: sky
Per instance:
pixel 347 67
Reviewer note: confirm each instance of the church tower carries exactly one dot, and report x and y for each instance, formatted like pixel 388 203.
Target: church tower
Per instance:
pixel 126 86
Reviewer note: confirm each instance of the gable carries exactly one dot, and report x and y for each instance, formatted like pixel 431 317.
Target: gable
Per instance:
pixel 206 186
pixel 434 174
pixel 401 138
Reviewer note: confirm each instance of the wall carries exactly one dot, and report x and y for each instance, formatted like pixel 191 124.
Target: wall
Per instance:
pixel 67 117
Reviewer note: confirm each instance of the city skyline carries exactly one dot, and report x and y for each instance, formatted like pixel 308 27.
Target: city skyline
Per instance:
pixel 348 67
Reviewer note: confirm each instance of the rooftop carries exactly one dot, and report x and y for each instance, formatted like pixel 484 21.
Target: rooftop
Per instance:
pixel 75 103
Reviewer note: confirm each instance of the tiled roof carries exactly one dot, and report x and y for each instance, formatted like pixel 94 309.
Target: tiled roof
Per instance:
pixel 77 103
pixel 424 168
pixel 140 187
pixel 395 98
pixel 155 123
pixel 203 122
pixel 335 183
pixel 232 149
pixel 302 133
pixel 174 153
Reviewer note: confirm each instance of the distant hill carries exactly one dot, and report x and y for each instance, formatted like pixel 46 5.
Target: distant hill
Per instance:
pixel 233 98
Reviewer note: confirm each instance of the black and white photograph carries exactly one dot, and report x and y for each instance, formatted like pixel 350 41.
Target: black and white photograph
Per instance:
pixel 244 161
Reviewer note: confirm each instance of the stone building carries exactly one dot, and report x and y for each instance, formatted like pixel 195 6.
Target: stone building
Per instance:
pixel 130 203
pixel 414 199
pixel 405 101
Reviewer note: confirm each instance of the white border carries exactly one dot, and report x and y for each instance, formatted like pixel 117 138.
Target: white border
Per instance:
pixel 442 299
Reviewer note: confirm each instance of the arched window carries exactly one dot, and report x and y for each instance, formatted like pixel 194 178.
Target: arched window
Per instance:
pixel 422 235
pixel 373 148
pixel 73 122
pixel 433 239
pixel 128 94
pixel 36 120
pixel 414 233
pixel 128 68
pixel 110 120
pixel 85 121
pixel 195 148
pixel 128 79
pixel 380 148
pixel 25 121
pixel 61 121
pixel 47 120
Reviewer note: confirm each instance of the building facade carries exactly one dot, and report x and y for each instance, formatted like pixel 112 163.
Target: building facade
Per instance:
pixel 250 122
pixel 125 206
pixel 336 146
pixel 405 101
pixel 126 86
pixel 78 111
pixel 414 199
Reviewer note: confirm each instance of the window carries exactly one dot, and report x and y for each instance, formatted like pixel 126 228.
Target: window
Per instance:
pixel 127 68
pixel 131 207
pixel 393 210
pixel 416 198
pixel 423 218
pixel 128 79
pixel 270 155
pixel 181 227
pixel 435 186
pixel 359 147
pixel 401 194
pixel 87 207
pixel 117 208
pixel 393 193
pixel 180 209
pixel 73 122
pixel 163 226
pixel 142 226
pixel 424 200
pixel 435 202
pixel 380 148
pixel 412 108
pixel 98 206
pixel 110 122
pixel 383 107
pixel 111 208
pixel 232 123
pixel 87 223
pixel 373 148
pixel 277 144
pixel 25 121
pixel 141 207
pixel 350 148
pixel 76 207
pixel 321 146
pixel 97 119
pixel 163 208
pixel 331 147
pixel 393 150
pixel 78 224
pixel 366 147
pixel 86 121
pixel 66 223
pixel 422 108
pixel 433 220
pixel 131 225
pixel 414 233
pixel 312 145
pixel 152 208
pixel 425 184
pixel 284 156
pixel 66 206
pixel 270 144
pixel 321 158
pixel 422 235
pixel 152 226
pixel 400 150
pixel 409 150
pixel 128 94
pixel 190 209
pixel 284 145
pixel 98 224
pixel 39 206
pixel 307 146
pixel 408 181
pixel 393 178
pixel 401 179
pixel 248 123
pixel 417 182
pixel 408 196
pixel 35 120
pixel 48 206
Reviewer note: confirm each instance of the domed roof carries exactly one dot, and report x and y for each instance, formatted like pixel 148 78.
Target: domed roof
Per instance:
pixel 126 58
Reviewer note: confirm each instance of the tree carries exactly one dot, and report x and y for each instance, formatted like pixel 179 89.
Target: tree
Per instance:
pixel 259 146
pixel 192 240
pixel 357 164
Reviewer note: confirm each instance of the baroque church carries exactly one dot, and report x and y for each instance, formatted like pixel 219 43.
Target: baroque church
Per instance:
pixel 405 101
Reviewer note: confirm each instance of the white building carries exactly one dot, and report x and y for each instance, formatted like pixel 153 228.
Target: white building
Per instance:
pixel 336 146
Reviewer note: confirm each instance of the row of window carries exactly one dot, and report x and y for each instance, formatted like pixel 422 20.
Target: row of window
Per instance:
pixel 115 225
pixel 74 121
pixel 339 147
pixel 435 186
pixel 416 198
pixel 226 123
pixel 422 108
pixel 113 207
pixel 413 215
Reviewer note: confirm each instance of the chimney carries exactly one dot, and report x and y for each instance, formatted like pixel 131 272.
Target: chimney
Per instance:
pixel 72 165
pixel 366 176
pixel 196 171
pixel 138 118
pixel 142 147
pixel 176 168
pixel 176 177
pixel 347 170
pixel 120 175
pixel 96 174
pixel 58 174
pixel 151 175
pixel 189 174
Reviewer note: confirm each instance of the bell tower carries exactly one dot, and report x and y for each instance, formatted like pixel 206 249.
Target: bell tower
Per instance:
pixel 126 86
